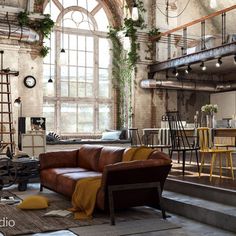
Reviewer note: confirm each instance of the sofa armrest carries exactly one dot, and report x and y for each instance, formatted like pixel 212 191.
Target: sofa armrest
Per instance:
pixel 58 159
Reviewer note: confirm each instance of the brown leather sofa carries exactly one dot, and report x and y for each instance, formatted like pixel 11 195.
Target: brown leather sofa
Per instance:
pixel 124 184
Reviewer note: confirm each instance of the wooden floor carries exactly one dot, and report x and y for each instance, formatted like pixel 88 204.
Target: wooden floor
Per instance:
pixel 191 174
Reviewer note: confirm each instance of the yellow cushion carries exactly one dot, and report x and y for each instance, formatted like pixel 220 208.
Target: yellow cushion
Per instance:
pixel 129 153
pixel 142 153
pixel 34 202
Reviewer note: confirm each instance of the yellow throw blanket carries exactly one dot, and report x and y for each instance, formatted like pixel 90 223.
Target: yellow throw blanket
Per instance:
pixel 84 197
pixel 137 153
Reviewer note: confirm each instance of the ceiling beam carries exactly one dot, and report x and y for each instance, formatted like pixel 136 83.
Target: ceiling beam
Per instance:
pixel 206 55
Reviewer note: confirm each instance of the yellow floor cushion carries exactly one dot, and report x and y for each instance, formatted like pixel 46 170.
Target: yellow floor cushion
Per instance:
pixel 34 202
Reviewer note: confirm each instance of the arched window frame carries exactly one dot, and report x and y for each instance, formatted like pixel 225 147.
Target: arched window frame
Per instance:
pixel 57 100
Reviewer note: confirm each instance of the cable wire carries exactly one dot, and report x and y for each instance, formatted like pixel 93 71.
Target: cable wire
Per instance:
pixel 167 15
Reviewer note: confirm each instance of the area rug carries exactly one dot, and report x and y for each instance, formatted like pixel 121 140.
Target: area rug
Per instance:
pixel 126 228
pixel 34 221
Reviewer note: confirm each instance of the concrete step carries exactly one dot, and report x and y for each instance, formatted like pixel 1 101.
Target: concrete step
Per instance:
pixel 214 194
pixel 207 204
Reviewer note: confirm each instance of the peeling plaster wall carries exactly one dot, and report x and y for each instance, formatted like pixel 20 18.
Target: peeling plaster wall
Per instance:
pixel 23 57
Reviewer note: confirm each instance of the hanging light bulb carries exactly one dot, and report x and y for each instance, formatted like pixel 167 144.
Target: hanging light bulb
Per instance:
pixel 219 62
pixel 50 87
pixel 213 4
pixel 135 14
pixel 188 70
pixel 203 66
pixel 126 42
pixel 175 72
pixel 235 59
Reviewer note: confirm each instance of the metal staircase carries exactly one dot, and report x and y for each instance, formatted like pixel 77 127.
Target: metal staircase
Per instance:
pixel 6 117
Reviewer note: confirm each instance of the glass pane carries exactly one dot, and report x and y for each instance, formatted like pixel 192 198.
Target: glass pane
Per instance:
pixel 73 89
pixel 68 3
pixel 81 89
pixel 64 73
pixel 72 75
pixel 81 43
pixel 73 42
pixel 89 44
pixel 103 83
pixel 72 58
pixel 81 59
pixel 89 89
pixel 104 117
pixel 90 5
pixel 85 119
pixel 86 25
pixel 89 74
pixel 68 118
pixel 65 46
pixel 46 70
pixel 89 59
pixel 102 20
pixel 81 73
pixel 48 113
pixel 104 53
pixel 64 89
pixel 52 47
pixel 54 11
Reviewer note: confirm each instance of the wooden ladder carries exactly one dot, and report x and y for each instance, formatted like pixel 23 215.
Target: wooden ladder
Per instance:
pixel 6 117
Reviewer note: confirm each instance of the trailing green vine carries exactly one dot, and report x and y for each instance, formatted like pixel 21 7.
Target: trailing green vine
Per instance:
pixel 153 32
pixel 124 64
pixel 44 51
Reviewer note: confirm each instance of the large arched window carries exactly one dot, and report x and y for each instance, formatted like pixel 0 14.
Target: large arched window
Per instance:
pixel 82 100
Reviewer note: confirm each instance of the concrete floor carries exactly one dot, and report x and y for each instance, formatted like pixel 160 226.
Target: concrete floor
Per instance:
pixel 188 227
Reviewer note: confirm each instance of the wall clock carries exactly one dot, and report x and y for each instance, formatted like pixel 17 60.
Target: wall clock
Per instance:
pixel 29 81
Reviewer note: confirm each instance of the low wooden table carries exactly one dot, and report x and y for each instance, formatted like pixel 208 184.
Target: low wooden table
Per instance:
pixel 26 169
pixel 18 171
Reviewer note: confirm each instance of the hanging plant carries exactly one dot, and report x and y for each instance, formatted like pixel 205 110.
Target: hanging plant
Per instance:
pixel 44 51
pixel 23 18
pixel 154 32
pixel 44 26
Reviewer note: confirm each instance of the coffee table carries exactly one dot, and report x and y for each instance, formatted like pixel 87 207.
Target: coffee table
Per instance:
pixel 19 171
pixel 26 169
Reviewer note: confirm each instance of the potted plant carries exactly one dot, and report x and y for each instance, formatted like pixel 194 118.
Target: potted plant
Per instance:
pixel 209 110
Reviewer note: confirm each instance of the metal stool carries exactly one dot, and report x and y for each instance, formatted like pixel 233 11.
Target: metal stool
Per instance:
pixel 134 137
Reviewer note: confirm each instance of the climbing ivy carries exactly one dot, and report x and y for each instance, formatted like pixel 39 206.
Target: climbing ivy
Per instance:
pixel 124 64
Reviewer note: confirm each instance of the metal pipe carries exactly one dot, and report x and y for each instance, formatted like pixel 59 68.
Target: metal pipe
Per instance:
pixel 187 85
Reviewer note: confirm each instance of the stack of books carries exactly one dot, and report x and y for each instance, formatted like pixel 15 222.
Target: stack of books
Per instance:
pixel 9 200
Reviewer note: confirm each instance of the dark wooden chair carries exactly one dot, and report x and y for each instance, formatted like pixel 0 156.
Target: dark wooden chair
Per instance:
pixel 179 140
